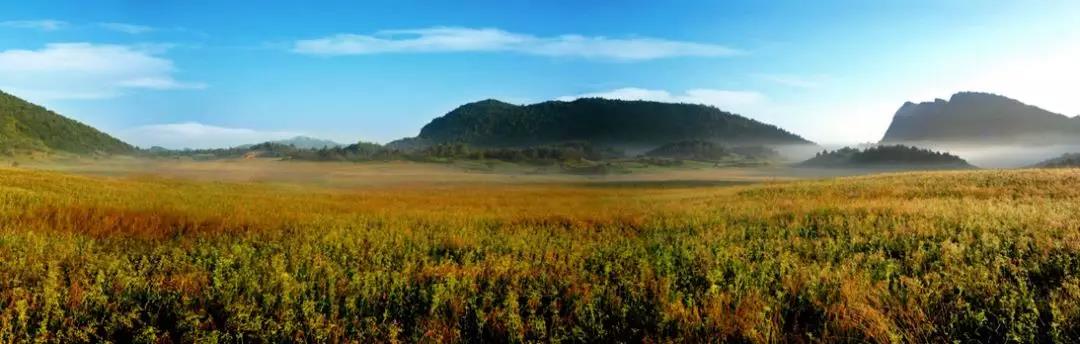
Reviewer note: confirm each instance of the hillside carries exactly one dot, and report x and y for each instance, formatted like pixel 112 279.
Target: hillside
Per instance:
pixel 1066 160
pixel 692 150
pixel 893 157
pixel 980 118
pixel 28 127
pixel 633 124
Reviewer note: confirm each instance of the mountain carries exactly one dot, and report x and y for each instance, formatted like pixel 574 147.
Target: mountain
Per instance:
pixel 891 157
pixel 980 118
pixel 631 124
pixel 304 142
pixel 28 127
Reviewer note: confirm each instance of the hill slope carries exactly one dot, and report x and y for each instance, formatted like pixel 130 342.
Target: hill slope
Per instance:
pixel 980 118
pixel 1065 160
pixel 598 121
pixel 28 127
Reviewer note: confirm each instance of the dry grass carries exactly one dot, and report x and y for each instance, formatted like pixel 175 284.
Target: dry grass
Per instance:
pixel 985 256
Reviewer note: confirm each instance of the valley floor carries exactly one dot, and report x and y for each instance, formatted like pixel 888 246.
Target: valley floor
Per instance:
pixel 279 251
pixel 368 174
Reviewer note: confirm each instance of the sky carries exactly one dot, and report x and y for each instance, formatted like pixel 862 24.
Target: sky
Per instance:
pixel 202 74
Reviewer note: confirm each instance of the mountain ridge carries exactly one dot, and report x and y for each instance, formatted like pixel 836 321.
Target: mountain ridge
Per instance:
pixel 25 126
pixel 492 122
pixel 979 117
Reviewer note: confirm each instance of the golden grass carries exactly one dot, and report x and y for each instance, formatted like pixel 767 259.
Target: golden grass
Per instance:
pixel 979 256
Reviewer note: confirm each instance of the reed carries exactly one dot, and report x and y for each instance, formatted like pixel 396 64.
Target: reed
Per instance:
pixel 975 256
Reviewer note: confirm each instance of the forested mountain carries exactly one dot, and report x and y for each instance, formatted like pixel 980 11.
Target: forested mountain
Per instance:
pixel 28 127
pixel 981 118
pixel 895 156
pixel 618 123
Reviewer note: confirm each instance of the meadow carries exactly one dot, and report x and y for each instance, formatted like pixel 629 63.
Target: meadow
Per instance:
pixel 169 257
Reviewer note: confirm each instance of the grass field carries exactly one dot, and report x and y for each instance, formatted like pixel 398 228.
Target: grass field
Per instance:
pixel 179 255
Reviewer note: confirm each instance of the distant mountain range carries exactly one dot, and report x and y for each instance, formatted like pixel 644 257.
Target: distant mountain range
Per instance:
pixel 634 127
pixel 302 142
pixel 25 127
pixel 628 124
pixel 980 118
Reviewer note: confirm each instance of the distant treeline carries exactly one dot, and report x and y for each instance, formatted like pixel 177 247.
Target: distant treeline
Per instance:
pixel 704 150
pixel 365 151
pixel 540 154
pixel 895 155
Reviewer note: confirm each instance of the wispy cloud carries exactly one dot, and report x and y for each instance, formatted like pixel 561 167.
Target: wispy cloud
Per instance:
pixel 198 135
pixel 86 71
pixel 459 39
pixel 43 24
pixel 796 81
pixel 126 28
pixel 724 99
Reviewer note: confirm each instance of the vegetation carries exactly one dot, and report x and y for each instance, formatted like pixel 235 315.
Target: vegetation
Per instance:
pixel 304 142
pixel 265 149
pixel 553 153
pixel 711 151
pixel 360 151
pixel 1065 160
pixel 364 151
pixel 28 127
pixel 897 156
pixel 691 150
pixel 977 256
pixel 597 121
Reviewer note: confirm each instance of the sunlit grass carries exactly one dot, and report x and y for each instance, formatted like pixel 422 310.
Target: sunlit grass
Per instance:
pixel 920 257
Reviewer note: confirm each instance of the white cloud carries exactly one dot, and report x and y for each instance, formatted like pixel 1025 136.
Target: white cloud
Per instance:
pixel 43 25
pixel 796 81
pixel 155 83
pixel 85 71
pixel 197 135
pixel 126 28
pixel 723 99
pixel 458 39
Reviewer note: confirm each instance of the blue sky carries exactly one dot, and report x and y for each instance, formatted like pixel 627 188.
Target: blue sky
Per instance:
pixel 220 73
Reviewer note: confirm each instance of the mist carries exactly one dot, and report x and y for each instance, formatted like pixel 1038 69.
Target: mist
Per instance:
pixel 997 155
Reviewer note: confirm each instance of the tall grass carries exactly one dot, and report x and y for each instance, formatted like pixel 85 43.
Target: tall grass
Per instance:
pixel 984 256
